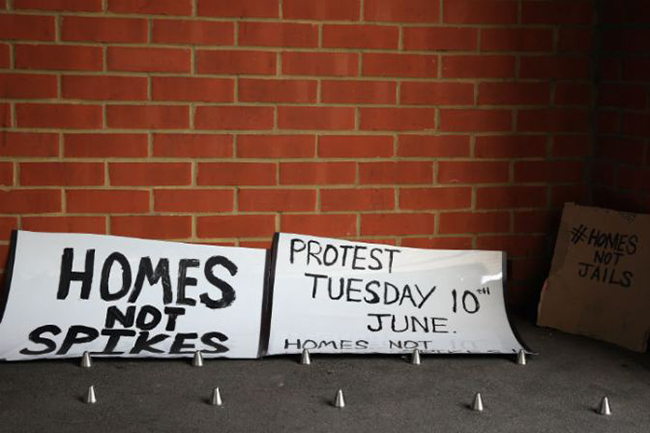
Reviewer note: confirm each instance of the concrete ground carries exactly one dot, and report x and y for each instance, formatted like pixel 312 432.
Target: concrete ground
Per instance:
pixel 556 392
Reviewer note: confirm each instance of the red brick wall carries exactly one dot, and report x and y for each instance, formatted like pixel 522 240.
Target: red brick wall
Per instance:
pixel 428 123
pixel 622 167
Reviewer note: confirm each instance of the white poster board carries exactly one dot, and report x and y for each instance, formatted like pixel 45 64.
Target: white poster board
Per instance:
pixel 336 296
pixel 125 297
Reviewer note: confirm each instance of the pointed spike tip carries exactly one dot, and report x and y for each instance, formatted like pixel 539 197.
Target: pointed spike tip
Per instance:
pixel 415 357
pixel 86 362
pixel 477 405
pixel 90 395
pixel 521 358
pixel 340 401
pixel 198 359
pixel 305 359
pixel 604 408
pixel 216 398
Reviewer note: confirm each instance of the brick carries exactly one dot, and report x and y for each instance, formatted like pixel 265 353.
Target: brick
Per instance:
pixel 106 145
pixel 515 246
pixel 363 199
pixel 239 9
pixel 511 146
pixel 440 38
pixel 397 224
pixel 317 173
pixel 320 63
pixel 549 120
pixel 620 150
pixel 265 34
pixel 358 92
pixel 572 93
pixel 26 27
pixel 193 200
pixel 636 68
pixel 28 86
pixel 634 178
pixel 7 224
pixel 235 226
pixel 60 5
pixel 5 115
pixel 473 172
pixel 158 7
pixel 65 224
pixel 554 67
pixel 400 65
pixel 61 173
pixel 506 197
pixel 109 201
pixel 428 146
pixel 421 93
pixel 416 11
pixel 622 95
pixel 472 120
pixel 4 56
pixel 152 226
pixel 234 118
pixel 571 146
pixel 316 118
pixel 517 39
pixel 193 32
pixel 27 201
pixel 549 171
pixel 332 10
pixel 446 243
pixel 21 144
pixel 360 36
pixel 340 225
pixel 355 146
pixel 636 124
pixel 400 172
pixel 535 221
pixel 135 59
pixel 66 57
pixel 485 66
pixel 480 12
pixel 65 116
pixel 193 89
pixel 276 146
pixel 192 146
pixel 261 90
pixel 237 173
pixel 147 174
pixel 514 94
pixel 552 12
pixel 97 29
pixel 397 119
pixel 575 39
pixel 481 222
pixel 608 122
pixel 277 200
pixel 561 194
pixel 147 116
pixel 236 62
pixel 435 198
pixel 6 173
pixel 104 87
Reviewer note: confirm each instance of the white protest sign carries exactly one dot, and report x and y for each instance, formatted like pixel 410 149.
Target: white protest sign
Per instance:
pixel 116 296
pixel 335 296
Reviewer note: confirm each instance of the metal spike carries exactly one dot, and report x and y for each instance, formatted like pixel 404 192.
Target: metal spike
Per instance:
pixel 415 357
pixel 90 396
pixel 198 359
pixel 521 358
pixel 340 401
pixel 216 398
pixel 477 405
pixel 305 359
pixel 86 362
pixel 604 407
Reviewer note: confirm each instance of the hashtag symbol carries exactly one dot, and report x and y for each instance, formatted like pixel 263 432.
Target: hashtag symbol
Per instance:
pixel 578 234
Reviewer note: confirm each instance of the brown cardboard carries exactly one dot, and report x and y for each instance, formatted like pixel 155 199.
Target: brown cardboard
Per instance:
pixel 599 283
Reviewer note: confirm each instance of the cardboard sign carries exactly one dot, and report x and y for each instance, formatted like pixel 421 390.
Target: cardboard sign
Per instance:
pixel 335 296
pixel 599 284
pixel 115 296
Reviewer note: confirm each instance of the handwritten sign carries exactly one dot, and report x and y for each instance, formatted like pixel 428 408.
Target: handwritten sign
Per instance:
pixel 115 296
pixel 335 296
pixel 599 284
